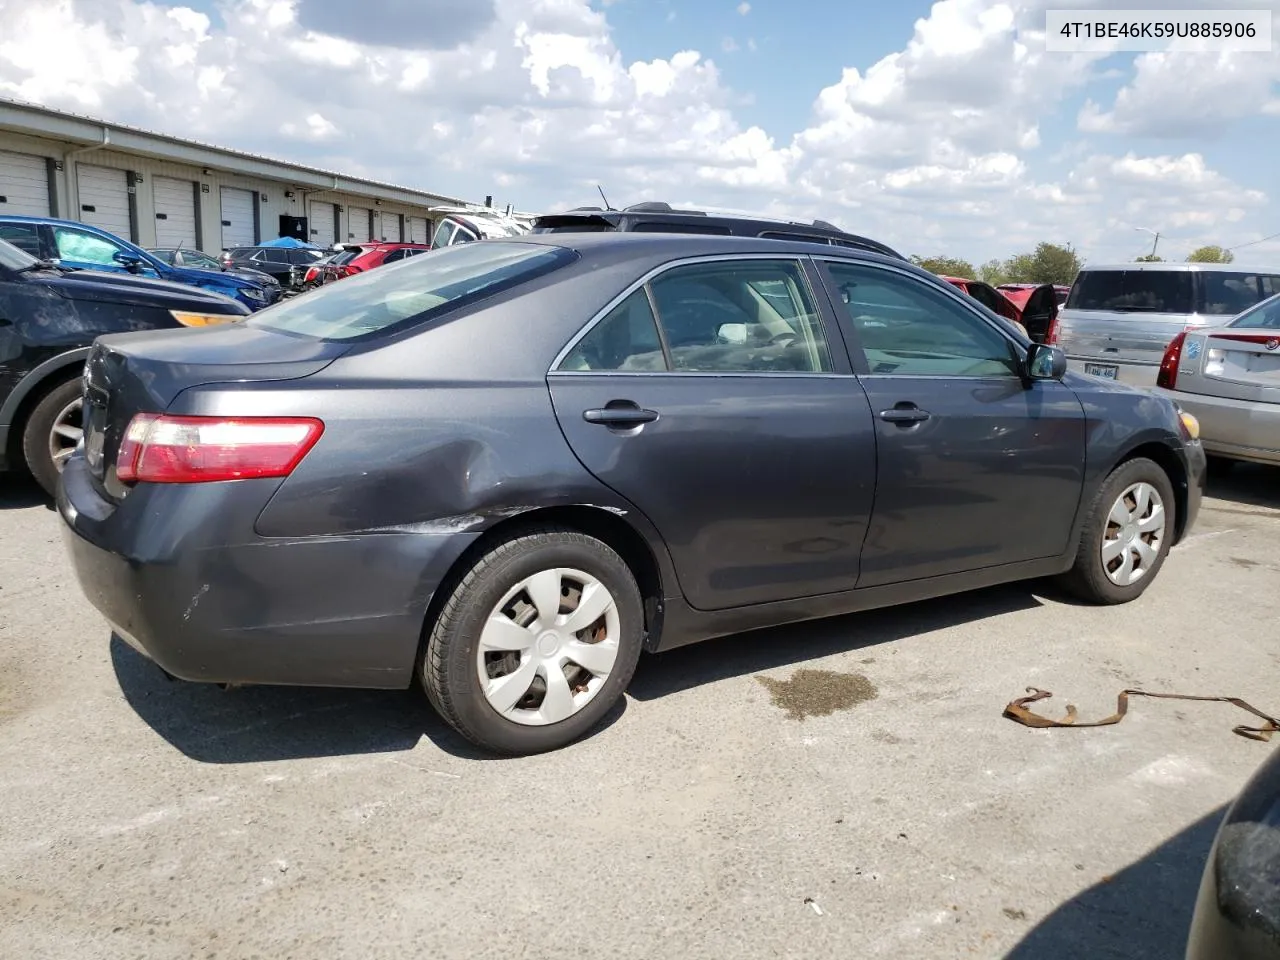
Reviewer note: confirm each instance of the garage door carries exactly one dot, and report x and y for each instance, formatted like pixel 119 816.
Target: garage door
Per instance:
pixel 104 199
pixel 24 185
pixel 175 212
pixel 419 232
pixel 237 218
pixel 321 222
pixel 359 224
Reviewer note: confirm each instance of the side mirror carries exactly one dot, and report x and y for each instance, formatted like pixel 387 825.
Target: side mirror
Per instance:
pixel 1045 362
pixel 130 261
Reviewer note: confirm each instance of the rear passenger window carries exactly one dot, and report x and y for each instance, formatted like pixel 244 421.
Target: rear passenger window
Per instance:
pixel 23 236
pixel 1270 286
pixel 626 339
pixel 753 316
pixel 1226 294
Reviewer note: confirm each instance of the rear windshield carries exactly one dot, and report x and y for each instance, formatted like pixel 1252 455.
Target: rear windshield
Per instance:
pixel 1264 316
pixel 1146 291
pixel 412 290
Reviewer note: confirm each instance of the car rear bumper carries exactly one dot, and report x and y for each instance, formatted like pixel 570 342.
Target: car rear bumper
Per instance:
pixel 1137 373
pixel 182 578
pixel 1239 429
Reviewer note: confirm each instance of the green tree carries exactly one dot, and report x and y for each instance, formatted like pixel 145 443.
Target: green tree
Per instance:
pixel 1211 254
pixel 1048 263
pixel 945 266
pixel 1149 258
pixel 994 272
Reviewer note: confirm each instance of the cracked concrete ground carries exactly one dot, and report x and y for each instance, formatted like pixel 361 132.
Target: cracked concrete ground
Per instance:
pixel 889 813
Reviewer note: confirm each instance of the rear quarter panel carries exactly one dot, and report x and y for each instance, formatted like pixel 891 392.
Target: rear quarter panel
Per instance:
pixel 449 428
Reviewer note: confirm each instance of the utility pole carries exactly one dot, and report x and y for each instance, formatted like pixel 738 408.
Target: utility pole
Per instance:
pixel 1154 233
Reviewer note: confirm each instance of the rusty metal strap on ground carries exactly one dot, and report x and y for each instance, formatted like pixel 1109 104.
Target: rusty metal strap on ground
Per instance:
pixel 1017 710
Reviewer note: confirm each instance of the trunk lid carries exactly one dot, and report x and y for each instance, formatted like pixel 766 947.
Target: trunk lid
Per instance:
pixel 1132 337
pixel 1238 363
pixel 127 374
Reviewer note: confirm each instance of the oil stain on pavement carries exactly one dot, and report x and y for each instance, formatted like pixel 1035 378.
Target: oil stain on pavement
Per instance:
pixel 818 693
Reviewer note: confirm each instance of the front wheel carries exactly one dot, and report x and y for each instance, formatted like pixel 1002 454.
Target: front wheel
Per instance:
pixel 536 643
pixel 52 432
pixel 1127 535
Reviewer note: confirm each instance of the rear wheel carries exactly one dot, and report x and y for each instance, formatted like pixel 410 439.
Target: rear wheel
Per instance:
pixel 1126 536
pixel 52 431
pixel 536 643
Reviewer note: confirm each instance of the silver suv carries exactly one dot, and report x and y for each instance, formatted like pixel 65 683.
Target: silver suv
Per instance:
pixel 1118 320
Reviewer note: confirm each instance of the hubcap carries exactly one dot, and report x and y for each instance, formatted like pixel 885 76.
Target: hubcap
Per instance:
pixel 66 432
pixel 1134 534
pixel 548 647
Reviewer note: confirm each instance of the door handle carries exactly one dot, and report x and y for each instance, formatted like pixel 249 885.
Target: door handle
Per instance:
pixel 621 415
pixel 904 414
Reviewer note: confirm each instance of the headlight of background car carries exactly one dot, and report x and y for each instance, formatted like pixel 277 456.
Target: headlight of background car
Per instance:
pixel 254 293
pixel 188 319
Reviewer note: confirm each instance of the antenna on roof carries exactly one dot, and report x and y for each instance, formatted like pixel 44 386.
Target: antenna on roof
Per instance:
pixel 603 197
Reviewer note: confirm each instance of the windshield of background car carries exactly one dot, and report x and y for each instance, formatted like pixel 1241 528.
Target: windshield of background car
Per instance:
pixel 412 290
pixel 13 258
pixel 1264 316
pixel 1140 291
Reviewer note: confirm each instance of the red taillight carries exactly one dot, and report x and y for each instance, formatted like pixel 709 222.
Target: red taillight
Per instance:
pixel 1051 335
pixel 159 448
pixel 311 274
pixel 1168 375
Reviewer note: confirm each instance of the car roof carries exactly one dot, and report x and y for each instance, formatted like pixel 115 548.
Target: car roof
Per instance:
pixel 51 221
pixel 1180 267
pixel 666 246
pixel 658 211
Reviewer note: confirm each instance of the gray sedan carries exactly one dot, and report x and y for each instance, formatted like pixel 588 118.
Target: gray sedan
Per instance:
pixel 1229 378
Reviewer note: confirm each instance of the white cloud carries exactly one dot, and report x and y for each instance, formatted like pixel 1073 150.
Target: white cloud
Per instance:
pixel 935 146
pixel 744 8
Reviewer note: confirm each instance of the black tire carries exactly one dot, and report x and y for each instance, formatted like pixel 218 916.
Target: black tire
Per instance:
pixel 1088 579
pixel 38 430
pixel 449 672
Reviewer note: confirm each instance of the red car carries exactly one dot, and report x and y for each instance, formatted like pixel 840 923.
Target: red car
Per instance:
pixel 359 257
pixel 989 297
pixel 1033 307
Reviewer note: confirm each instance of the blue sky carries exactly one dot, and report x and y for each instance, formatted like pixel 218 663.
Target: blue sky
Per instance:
pixel 938 127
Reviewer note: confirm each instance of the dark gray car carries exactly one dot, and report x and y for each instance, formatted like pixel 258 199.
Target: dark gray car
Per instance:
pixel 507 468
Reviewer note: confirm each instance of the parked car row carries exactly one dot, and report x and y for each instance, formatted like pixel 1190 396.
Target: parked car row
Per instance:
pixel 79 246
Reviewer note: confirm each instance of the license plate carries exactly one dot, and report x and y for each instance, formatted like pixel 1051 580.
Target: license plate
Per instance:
pixel 1108 370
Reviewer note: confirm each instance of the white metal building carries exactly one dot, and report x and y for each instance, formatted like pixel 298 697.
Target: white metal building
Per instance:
pixel 161 191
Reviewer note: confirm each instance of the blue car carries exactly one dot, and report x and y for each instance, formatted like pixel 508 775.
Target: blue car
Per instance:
pixel 81 246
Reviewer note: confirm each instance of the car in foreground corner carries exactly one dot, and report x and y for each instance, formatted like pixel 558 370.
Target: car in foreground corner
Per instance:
pixel 666 438
pixel 49 317
pixel 1229 378
pixel 1237 910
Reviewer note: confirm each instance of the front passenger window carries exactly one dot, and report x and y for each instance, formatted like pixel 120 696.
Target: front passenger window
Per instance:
pixel 906 328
